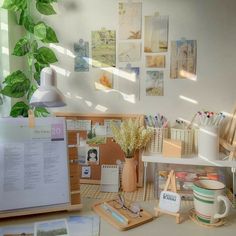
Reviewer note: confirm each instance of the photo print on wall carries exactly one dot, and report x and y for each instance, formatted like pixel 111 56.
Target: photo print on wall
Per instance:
pixel 129 52
pixel 92 155
pixel 81 56
pixel 130 20
pixel 154 83
pixel 129 81
pixel 183 61
pixel 156 34
pixel 158 61
pixel 104 79
pixel 104 48
pixel 97 135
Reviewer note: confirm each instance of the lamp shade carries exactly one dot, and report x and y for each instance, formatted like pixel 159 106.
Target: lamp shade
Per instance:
pixel 47 95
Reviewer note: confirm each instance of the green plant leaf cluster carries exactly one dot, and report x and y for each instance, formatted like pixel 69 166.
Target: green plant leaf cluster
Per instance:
pixel 18 84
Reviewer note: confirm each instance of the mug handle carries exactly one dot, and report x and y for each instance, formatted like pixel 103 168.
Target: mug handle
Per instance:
pixel 227 207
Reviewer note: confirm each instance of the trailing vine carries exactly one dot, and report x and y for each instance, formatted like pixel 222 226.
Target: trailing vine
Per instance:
pixel 32 45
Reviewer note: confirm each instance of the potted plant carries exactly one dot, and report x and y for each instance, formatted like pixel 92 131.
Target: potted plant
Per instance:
pixel 131 137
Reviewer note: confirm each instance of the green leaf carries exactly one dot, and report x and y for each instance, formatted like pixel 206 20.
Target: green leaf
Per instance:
pixel 31 91
pixel 39 67
pixel 14 5
pixel 29 24
pixel 21 47
pixel 19 109
pixel 37 77
pixel 45 55
pixel 45 8
pixel 41 112
pixel 40 31
pixel 34 46
pixel 47 1
pixel 22 17
pixel 17 85
pixel 51 36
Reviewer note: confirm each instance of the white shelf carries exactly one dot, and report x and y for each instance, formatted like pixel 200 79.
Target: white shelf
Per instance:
pixel 193 160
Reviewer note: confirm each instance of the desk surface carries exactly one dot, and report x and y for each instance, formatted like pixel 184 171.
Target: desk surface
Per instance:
pixel 191 160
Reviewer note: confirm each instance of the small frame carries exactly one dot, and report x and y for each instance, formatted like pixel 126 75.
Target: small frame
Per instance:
pixel 86 172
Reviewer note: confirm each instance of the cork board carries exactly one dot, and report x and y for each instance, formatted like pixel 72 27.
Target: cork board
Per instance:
pixel 108 152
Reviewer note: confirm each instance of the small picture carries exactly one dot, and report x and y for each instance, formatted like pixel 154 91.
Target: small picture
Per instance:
pixel 104 80
pixel 154 83
pixel 97 135
pixel 52 228
pixel 81 56
pixel 86 172
pixel 129 52
pixel 82 155
pixel 155 61
pixel 93 155
pixel 20 230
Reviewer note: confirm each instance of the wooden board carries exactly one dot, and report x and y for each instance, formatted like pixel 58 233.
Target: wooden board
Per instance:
pixel 109 152
pixel 132 221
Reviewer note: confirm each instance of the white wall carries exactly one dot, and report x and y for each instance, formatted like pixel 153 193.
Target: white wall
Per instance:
pixel 211 22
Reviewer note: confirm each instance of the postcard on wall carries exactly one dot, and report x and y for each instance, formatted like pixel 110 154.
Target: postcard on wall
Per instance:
pixel 52 227
pixel 154 83
pixel 97 135
pixel 130 20
pixel 18 230
pixel 129 52
pixel 156 34
pixel 155 61
pixel 88 225
pixel 129 81
pixel 81 56
pixel 92 155
pixel 82 125
pixel 108 122
pixel 86 172
pixel 104 79
pixel 183 60
pixel 104 48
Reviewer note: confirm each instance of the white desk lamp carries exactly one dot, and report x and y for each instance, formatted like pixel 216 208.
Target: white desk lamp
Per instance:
pixel 47 95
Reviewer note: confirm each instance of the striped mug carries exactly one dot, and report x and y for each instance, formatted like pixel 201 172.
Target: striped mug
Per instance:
pixel 208 198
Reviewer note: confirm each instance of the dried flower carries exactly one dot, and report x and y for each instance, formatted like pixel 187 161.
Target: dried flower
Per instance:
pixel 131 136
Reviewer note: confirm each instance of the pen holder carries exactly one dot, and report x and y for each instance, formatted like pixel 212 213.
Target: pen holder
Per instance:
pixel 186 136
pixel 155 145
pixel 208 142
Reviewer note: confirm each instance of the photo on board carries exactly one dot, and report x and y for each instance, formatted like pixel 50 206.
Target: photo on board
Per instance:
pixel 86 172
pixel 92 155
pixel 97 135
pixel 130 20
pixel 51 228
pixel 19 230
pixel 156 34
pixel 154 83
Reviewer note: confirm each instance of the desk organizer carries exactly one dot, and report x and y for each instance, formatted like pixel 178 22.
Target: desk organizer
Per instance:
pixel 186 136
pixel 155 145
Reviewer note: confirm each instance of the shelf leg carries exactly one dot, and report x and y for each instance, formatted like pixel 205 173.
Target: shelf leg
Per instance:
pixel 145 180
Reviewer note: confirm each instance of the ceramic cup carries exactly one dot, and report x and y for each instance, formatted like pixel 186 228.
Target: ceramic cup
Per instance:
pixel 208 142
pixel 209 197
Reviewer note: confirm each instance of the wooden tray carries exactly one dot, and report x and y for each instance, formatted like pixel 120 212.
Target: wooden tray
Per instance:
pixel 132 221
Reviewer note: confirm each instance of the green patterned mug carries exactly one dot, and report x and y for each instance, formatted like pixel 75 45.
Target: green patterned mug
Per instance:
pixel 208 198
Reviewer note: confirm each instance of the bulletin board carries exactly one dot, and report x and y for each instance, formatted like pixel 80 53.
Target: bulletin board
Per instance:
pixel 34 160
pixel 109 152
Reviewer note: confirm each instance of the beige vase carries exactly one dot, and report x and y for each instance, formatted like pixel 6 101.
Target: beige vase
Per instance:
pixel 129 176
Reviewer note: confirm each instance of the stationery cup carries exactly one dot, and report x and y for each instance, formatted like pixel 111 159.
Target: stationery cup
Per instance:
pixel 209 199
pixel 208 142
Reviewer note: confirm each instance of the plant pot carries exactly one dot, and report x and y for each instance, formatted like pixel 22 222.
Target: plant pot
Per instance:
pixel 129 176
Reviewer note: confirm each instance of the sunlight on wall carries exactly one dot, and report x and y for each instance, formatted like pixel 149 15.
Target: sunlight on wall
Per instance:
pixel 88 103
pixel 188 75
pixel 188 99
pixel 62 50
pixel 101 108
pixel 4 27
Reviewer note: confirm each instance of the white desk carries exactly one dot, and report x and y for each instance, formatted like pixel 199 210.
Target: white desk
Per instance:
pixel 192 160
